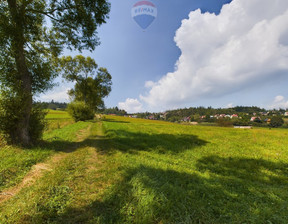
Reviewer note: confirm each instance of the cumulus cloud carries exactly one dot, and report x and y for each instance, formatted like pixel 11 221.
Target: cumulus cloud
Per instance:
pixel 131 105
pixel 279 102
pixel 244 46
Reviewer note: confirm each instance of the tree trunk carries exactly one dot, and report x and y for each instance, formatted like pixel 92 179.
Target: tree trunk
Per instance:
pixel 26 95
pixel 24 90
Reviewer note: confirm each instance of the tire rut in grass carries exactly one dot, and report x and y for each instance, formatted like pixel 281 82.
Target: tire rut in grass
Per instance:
pixel 38 169
pixel 32 176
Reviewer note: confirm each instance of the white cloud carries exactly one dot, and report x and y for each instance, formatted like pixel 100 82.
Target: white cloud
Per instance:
pixel 58 94
pixel 279 102
pixel 229 105
pixel 131 105
pixel 149 84
pixel 279 99
pixel 244 46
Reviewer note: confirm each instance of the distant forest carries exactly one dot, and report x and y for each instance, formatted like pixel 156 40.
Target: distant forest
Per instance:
pixel 52 105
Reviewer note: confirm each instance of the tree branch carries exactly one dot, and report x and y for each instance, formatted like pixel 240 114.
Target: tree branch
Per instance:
pixel 43 13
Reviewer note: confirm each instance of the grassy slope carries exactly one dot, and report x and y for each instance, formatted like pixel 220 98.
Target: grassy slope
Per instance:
pixel 199 174
pixel 155 172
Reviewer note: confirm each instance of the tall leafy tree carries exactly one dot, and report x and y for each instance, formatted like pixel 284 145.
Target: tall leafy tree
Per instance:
pixel 92 84
pixel 276 121
pixel 32 35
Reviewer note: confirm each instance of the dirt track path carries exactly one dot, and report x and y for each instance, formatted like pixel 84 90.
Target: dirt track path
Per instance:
pixel 34 174
pixel 39 169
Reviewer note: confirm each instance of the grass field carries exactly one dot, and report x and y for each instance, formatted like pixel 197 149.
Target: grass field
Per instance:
pixel 123 170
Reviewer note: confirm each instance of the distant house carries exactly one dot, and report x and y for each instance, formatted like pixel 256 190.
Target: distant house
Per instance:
pixel 234 116
pixel 267 120
pixel 286 114
pixel 255 119
pixel 220 116
pixel 186 119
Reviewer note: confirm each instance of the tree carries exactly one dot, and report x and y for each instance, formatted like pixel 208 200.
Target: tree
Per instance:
pixel 92 84
pixel 276 121
pixel 30 46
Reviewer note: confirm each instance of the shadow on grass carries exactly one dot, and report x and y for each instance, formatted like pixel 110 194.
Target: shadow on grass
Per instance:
pixel 130 142
pixel 254 170
pixel 115 121
pixel 235 191
pixel 217 190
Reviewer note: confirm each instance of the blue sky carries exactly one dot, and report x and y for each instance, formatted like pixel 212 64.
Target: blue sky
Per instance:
pixel 143 63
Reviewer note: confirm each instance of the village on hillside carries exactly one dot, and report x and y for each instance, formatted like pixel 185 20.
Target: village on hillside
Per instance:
pixel 237 116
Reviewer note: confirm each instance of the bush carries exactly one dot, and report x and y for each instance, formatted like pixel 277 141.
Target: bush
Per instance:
pixel 240 122
pixel 276 122
pixel 37 123
pixel 223 122
pixel 263 124
pixel 11 112
pixel 80 111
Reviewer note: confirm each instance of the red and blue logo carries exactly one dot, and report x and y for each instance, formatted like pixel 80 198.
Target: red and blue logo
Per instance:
pixel 144 13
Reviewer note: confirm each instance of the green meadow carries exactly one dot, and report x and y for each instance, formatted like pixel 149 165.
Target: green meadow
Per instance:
pixel 124 170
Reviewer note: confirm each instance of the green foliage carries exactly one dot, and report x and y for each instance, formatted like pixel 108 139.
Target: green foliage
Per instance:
pixel 276 121
pixel 11 112
pixel 114 110
pixel 52 105
pixel 30 47
pixel 241 122
pixel 80 111
pixel 249 110
pixel 37 124
pixel 223 122
pixel 92 84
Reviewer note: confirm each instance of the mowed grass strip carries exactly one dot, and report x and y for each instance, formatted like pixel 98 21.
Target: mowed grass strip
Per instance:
pixel 140 171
